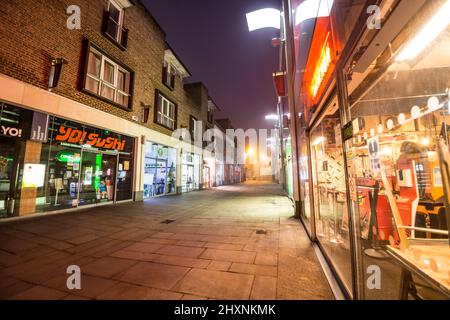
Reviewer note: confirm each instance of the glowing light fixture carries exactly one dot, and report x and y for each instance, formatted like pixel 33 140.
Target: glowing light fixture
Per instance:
pixel 264 18
pixel 429 32
pixel 271 117
pixel 311 9
pixel 425 142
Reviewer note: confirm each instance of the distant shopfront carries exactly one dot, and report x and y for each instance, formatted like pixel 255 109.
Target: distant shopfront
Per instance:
pixel 190 172
pixel 160 170
pixel 48 163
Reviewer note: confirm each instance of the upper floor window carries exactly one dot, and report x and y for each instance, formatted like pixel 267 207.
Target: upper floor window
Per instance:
pixel 169 74
pixel 113 24
pixel 107 79
pixel 210 116
pixel 166 112
pixel 192 126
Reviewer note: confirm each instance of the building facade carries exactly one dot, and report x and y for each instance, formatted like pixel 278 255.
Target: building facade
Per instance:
pixel 88 111
pixel 371 88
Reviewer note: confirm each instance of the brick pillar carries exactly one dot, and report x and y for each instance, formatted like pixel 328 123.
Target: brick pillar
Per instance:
pixel 27 203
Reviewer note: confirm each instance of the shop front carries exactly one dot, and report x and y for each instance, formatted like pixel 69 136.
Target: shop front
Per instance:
pixel 160 170
pixel 190 172
pixel 56 164
pixel 374 156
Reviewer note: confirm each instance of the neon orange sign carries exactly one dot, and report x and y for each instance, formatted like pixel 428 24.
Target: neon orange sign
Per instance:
pixel 92 139
pixel 321 70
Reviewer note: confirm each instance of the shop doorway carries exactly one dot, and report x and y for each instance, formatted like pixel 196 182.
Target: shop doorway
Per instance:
pixel 188 178
pixel 7 146
pixel 97 183
pixel 206 177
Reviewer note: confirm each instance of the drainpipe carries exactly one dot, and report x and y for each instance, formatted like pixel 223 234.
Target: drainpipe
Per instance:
pixel 290 68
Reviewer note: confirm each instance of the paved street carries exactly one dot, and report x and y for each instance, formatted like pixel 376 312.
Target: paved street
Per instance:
pixel 234 242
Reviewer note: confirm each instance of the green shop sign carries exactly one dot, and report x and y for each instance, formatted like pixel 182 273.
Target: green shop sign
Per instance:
pixel 68 157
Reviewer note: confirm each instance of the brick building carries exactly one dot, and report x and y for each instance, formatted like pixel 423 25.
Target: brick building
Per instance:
pixel 87 113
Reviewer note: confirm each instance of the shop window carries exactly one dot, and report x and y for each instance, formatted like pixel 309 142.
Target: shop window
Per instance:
pixel 169 75
pixel 113 24
pixel 107 79
pixel 398 158
pixel 165 112
pixel 160 170
pixel 329 190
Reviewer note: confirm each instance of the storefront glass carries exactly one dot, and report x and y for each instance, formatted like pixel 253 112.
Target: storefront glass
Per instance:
pixel 61 164
pixel 160 170
pixel 330 193
pixel 190 178
pixel 398 157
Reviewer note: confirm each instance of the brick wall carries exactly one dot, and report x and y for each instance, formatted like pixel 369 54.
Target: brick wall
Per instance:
pixel 34 31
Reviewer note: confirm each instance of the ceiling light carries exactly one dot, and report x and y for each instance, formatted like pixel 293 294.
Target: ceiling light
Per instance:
pixel 318 141
pixel 311 9
pixel 429 32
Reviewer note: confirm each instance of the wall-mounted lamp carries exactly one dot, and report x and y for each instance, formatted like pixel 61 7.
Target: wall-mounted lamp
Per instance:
pixel 55 72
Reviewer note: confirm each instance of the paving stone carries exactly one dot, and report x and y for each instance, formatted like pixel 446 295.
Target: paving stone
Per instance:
pixel 180 251
pixel 162 235
pixel 39 293
pixel 91 287
pixel 124 291
pixel 190 243
pixel 254 269
pixel 183 262
pixel 160 241
pixel 192 298
pixel 269 259
pixel 216 284
pixel 144 247
pixel 135 255
pixel 229 255
pixel 264 288
pixel 12 289
pixel 107 267
pixel 219 265
pixel 154 275
pixel 224 246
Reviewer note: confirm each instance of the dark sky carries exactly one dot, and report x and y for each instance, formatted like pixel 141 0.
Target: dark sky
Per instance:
pixel 212 39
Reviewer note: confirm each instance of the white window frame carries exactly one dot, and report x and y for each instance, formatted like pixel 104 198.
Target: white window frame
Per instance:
pixel 170 70
pixel 121 18
pixel 102 82
pixel 166 112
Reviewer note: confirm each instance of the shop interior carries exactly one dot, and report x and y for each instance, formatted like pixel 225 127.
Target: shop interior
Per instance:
pixel 401 155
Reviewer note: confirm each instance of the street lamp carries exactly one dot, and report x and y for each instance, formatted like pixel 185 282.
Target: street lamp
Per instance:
pixel 272 117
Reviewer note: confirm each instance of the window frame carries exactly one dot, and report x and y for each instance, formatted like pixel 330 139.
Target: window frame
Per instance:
pixel 192 128
pixel 118 38
pixel 169 73
pixel 118 67
pixel 160 96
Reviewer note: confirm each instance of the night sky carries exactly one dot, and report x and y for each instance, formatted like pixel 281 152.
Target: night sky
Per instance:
pixel 212 39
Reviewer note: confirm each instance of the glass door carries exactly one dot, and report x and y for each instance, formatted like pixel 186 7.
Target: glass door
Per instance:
pixel 161 176
pixel 97 178
pixel 331 219
pixel 6 173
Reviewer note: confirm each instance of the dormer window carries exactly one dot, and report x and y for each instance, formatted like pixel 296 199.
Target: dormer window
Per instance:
pixel 169 74
pixel 113 24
